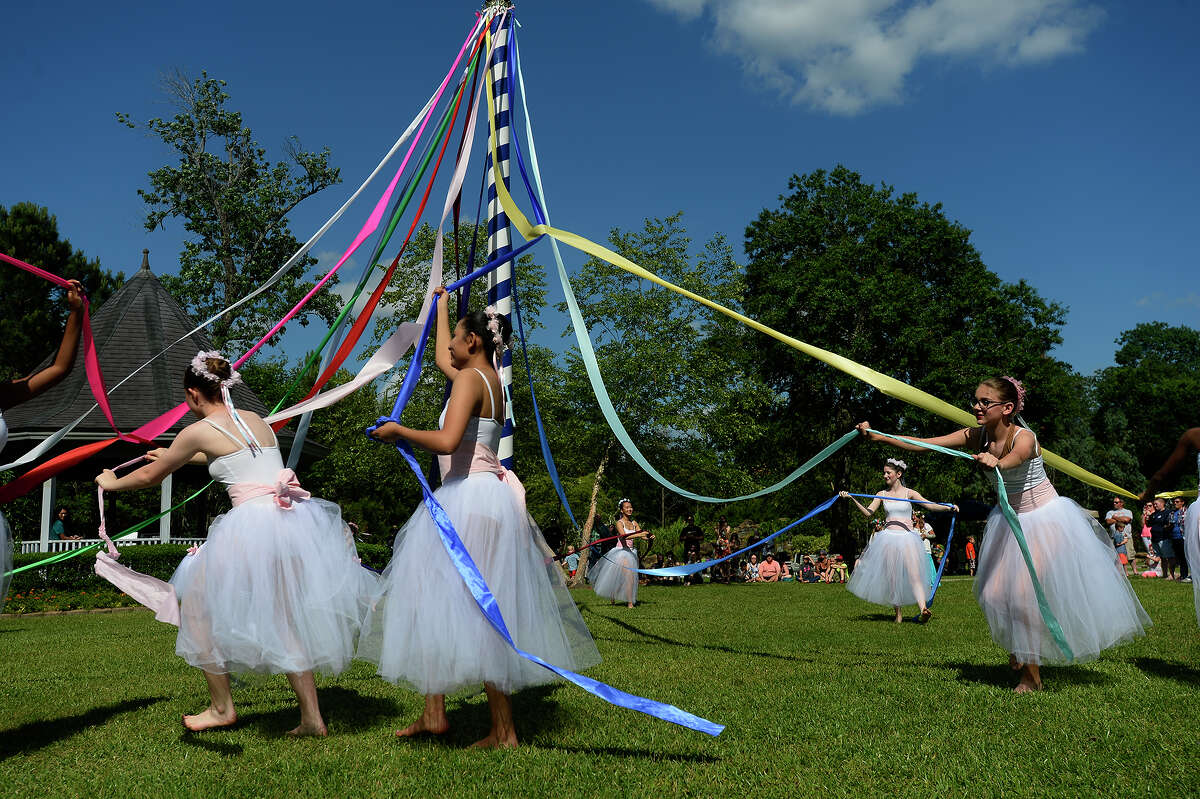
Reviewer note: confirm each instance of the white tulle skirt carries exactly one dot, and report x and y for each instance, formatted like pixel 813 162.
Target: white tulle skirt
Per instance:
pixel 894 570
pixel 425 629
pixel 613 579
pixel 272 591
pixel 1084 585
pixel 1191 543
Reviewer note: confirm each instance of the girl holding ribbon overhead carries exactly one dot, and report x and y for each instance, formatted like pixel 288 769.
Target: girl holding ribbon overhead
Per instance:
pixel 894 569
pixel 276 588
pixel 615 578
pixel 16 392
pixel 1083 586
pixel 426 629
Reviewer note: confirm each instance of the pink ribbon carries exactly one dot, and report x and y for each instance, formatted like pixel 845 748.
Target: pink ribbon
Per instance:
pixel 285 490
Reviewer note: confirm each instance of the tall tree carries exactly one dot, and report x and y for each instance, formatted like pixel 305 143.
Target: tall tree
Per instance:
pixel 234 202
pixel 33 315
pixel 1148 398
pixel 890 282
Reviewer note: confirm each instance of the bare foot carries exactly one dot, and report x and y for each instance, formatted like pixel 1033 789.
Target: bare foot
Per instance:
pixel 1015 664
pixel 1027 686
pixel 926 615
pixel 629 605
pixel 209 719
pixel 423 726
pixel 899 616
pixel 318 730
pixel 497 741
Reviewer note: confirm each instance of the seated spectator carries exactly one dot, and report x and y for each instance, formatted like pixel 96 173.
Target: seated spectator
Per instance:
pixel 840 573
pixel 58 530
pixel 752 567
pixel 808 572
pixel 769 571
pixel 785 576
pixel 822 567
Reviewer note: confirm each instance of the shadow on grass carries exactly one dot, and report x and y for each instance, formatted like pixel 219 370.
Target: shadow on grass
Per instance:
pixel 344 709
pixel 1001 676
pixel 203 740
pixel 1166 669
pixel 689 645
pixel 36 734
pixel 890 618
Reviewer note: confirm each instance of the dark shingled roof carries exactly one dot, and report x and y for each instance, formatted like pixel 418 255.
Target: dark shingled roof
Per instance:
pixel 133 325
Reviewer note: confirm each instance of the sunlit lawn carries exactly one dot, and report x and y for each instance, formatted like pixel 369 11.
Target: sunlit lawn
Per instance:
pixel 822 695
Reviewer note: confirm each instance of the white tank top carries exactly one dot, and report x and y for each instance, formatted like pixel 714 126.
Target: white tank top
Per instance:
pixel 1024 476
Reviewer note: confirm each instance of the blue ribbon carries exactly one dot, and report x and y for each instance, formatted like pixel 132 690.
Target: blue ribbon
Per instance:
pixel 942 566
pixel 692 568
pixel 470 572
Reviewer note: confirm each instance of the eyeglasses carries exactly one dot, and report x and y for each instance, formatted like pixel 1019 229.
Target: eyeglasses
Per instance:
pixel 982 402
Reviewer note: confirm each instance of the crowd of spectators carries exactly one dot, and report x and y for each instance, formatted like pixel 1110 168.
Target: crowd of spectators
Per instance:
pixel 1161 535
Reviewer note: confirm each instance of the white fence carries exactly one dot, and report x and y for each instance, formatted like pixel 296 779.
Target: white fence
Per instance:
pixel 64 546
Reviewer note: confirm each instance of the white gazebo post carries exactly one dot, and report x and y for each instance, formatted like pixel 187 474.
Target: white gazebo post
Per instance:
pixel 164 505
pixel 49 500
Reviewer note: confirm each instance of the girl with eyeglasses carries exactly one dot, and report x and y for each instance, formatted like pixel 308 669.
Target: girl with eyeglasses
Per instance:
pixel 1076 564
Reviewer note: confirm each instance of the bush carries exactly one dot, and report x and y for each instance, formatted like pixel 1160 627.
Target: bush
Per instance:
pixel 77 573
pixel 374 556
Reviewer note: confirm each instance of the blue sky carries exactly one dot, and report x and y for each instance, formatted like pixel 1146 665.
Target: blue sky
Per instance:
pixel 1061 132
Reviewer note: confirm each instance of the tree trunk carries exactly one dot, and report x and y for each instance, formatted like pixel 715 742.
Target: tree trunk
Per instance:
pixel 842 540
pixel 586 534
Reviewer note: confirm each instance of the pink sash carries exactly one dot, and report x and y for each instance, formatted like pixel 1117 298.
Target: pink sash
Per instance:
pixel 464 461
pixel 285 490
pixel 1039 496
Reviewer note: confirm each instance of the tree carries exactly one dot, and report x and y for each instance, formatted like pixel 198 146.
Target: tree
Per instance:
pixel 1148 398
pixel 234 203
pixel 33 312
pixel 890 282
pixel 647 341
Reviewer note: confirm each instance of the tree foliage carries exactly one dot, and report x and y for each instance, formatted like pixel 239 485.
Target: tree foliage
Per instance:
pixel 34 314
pixel 234 202
pixel 888 281
pixel 1148 398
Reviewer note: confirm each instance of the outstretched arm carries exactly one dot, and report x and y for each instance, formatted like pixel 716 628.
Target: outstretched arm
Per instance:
pixel 924 503
pixel 1188 443
pixel 868 510
pixel 163 462
pixel 965 438
pixel 18 391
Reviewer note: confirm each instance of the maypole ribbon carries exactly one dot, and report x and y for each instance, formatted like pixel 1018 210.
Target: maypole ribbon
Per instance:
pixel 884 383
pixel 157 427
pixel 1014 524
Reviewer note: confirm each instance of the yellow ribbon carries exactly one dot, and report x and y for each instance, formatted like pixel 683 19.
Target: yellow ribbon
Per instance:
pixel 888 385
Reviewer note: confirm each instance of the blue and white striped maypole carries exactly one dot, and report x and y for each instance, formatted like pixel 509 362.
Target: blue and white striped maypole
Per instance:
pixel 499 243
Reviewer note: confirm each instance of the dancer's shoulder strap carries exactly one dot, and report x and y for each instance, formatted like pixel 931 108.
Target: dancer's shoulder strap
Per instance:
pixel 491 397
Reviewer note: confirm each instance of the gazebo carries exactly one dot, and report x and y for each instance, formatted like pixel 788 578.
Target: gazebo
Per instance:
pixel 136 323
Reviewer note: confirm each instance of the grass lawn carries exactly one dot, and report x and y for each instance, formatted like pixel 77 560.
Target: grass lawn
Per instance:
pixel 823 696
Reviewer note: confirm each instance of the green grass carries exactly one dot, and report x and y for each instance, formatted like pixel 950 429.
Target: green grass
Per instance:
pixel 822 694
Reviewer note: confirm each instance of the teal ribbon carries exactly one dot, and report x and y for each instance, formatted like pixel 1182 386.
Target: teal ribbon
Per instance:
pixel 1014 523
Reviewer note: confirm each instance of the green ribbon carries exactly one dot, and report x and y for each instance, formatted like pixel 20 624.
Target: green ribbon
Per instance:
pixel 1014 523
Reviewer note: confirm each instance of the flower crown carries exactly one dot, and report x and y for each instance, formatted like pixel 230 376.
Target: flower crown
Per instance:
pixel 1020 392
pixel 622 501
pixel 899 464
pixel 200 367
pixel 493 326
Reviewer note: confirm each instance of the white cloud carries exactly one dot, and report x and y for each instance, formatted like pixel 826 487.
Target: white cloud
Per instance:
pixel 847 55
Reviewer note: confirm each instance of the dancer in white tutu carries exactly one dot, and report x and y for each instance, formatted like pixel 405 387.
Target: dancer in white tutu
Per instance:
pixel 15 392
pixel 276 588
pixel 613 578
pixel 895 569
pixel 426 629
pixel 1074 559
pixel 1186 448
